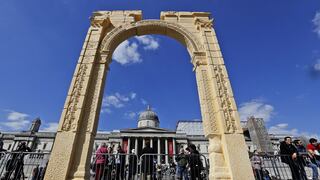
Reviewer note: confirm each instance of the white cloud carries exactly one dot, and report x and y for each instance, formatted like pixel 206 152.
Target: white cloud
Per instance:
pixel 127 53
pixel 143 101
pixel 283 128
pixel 106 110
pixel 51 127
pixel 15 121
pixel 116 100
pixel 112 101
pixel 316 66
pixel 133 95
pixel 149 42
pixel 122 97
pixel 316 22
pixel 256 108
pixel 130 115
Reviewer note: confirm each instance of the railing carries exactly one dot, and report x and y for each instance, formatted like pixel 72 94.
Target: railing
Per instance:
pixel 18 165
pixel 284 167
pixel 32 166
pixel 148 166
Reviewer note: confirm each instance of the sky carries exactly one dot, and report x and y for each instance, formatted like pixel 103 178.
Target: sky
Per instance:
pixel 271 51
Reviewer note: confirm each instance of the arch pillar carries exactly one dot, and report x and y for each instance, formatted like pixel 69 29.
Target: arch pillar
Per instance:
pixel 227 148
pixel 77 128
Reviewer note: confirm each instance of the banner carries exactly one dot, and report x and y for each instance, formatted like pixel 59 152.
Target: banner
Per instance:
pixel 170 144
pixel 125 145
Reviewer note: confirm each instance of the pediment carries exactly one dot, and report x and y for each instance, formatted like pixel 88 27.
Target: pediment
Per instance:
pixel 147 129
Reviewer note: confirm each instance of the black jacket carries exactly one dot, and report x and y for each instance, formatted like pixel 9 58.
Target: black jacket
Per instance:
pixel 147 160
pixel 286 151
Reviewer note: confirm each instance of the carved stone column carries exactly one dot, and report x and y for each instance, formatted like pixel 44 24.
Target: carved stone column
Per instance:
pixel 73 145
pixel 220 121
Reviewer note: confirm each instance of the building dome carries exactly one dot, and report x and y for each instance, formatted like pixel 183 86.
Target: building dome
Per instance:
pixel 148 118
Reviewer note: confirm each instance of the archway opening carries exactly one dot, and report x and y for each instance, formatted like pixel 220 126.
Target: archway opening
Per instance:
pixel 152 70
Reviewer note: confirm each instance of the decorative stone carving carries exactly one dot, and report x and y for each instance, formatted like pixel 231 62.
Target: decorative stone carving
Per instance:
pixel 69 122
pixel 225 103
pixel 100 18
pixel 210 123
pixel 204 23
pixel 93 96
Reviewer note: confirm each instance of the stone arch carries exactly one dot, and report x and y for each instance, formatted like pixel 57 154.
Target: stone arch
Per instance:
pixel 145 27
pixel 73 145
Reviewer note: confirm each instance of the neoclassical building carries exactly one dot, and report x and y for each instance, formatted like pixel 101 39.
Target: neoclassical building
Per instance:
pixel 164 141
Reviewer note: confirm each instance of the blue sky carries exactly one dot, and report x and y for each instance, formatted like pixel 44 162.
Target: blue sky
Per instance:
pixel 271 50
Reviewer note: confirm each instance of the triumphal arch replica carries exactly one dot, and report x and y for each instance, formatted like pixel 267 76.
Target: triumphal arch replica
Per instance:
pixel 73 146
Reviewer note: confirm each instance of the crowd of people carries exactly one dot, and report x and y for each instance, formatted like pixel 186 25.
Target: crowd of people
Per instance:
pixel 13 163
pixel 296 155
pixel 110 164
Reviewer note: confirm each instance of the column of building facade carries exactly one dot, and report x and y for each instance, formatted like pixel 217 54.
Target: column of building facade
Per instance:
pixel 174 149
pixel 143 142
pixel 159 150
pixel 151 142
pixel 166 151
pixel 136 145
pixel 128 150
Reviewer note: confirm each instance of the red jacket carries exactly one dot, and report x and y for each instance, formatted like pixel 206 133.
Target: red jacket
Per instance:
pixel 101 155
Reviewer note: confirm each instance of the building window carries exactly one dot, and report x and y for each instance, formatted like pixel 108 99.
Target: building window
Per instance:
pixel 36 146
pixel 9 146
pixel 44 146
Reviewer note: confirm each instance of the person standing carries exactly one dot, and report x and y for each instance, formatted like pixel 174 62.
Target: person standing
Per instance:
pixel 195 163
pixel 120 163
pixel 289 156
pixel 147 163
pixel 16 163
pixel 182 161
pixel 256 163
pixel 101 161
pixel 2 151
pixel 36 173
pixel 304 160
pixel 313 150
pixel 132 165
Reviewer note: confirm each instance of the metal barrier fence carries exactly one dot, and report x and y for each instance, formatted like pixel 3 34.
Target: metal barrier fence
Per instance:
pixel 18 165
pixel 283 167
pixel 148 166
pixel 31 166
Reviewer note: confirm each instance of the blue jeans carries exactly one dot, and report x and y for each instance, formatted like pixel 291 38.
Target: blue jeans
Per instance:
pixel 314 168
pixel 182 171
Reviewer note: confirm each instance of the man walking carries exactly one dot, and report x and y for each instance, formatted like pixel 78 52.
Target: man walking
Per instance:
pixel 182 161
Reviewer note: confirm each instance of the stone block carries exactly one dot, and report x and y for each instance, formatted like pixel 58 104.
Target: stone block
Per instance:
pixel 236 154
